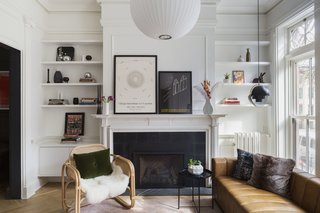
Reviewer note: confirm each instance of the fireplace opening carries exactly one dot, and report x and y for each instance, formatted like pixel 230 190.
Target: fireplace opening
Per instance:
pixel 159 156
pixel 159 170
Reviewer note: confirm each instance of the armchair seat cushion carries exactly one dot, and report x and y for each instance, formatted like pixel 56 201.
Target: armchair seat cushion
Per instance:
pixel 103 187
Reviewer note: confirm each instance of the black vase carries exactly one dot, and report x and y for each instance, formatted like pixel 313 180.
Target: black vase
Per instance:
pixel 99 104
pixel 57 78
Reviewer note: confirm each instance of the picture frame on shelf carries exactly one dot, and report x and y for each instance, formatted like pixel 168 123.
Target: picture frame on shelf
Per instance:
pixel 175 92
pixel 74 123
pixel 135 84
pixel 238 77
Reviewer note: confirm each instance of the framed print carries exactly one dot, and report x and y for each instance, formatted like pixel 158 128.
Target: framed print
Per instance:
pixel 135 83
pixel 74 123
pixel 175 92
pixel 4 89
pixel 238 76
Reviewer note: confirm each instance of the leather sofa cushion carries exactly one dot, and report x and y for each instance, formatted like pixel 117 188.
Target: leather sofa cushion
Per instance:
pixel 250 199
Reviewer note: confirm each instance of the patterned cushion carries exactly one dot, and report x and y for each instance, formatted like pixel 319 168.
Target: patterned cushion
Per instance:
pixel 272 174
pixel 243 168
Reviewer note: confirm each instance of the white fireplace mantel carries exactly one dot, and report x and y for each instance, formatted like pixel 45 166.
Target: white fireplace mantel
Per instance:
pixel 162 123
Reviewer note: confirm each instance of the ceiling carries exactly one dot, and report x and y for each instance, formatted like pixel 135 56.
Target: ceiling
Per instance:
pixel 225 6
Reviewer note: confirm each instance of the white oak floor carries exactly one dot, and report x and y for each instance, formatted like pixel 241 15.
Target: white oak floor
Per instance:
pixel 48 200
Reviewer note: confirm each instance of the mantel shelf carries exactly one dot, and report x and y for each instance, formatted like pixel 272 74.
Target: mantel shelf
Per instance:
pixel 232 63
pixel 71 62
pixel 246 84
pixel 157 116
pixel 69 84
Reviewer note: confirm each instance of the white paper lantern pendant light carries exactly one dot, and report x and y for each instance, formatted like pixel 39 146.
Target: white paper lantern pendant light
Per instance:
pixel 165 19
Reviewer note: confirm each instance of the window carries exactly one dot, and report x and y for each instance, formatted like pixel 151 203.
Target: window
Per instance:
pixel 302 105
pixel 301 34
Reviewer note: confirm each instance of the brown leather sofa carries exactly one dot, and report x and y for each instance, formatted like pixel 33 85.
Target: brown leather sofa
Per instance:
pixel 236 196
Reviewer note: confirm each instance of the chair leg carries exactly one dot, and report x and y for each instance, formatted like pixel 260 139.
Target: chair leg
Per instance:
pixel 124 203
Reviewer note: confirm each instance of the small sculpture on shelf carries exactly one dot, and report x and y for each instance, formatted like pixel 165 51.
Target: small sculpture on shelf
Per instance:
pixel 87 78
pixel 259 79
pixel 240 59
pixel 57 78
pixel 65 79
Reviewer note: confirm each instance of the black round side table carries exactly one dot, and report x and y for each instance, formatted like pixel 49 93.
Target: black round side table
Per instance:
pixel 185 174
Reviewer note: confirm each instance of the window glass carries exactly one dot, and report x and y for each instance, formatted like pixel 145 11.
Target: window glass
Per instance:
pixel 301 34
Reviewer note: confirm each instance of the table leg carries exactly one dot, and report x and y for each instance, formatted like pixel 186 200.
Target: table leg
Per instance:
pixel 192 191
pixel 178 197
pixel 199 194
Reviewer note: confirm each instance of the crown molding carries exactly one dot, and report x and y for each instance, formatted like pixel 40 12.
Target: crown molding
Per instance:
pixel 70 5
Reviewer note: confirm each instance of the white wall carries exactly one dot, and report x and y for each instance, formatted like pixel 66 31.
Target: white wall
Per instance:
pixel 23 21
pixel 194 52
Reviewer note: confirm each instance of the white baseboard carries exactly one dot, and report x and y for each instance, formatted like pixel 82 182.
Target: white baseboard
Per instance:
pixel 31 189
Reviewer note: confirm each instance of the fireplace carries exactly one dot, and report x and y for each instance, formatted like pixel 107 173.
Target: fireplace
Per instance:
pixel 159 156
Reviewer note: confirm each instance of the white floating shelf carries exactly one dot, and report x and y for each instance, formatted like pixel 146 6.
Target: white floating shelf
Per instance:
pixel 69 106
pixel 226 63
pixel 69 84
pixel 242 105
pixel 246 84
pixel 70 62
pixel 72 41
pixel 242 43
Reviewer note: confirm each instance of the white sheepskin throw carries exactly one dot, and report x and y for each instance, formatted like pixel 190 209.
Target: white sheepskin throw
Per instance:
pixel 103 187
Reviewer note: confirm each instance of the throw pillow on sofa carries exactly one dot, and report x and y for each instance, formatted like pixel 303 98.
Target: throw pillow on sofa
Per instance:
pixel 272 174
pixel 244 165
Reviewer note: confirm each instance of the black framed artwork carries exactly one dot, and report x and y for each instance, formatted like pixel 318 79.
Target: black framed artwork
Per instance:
pixel 135 84
pixel 175 92
pixel 74 123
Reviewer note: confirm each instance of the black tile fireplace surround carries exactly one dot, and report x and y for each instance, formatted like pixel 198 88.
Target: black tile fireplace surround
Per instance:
pixel 159 156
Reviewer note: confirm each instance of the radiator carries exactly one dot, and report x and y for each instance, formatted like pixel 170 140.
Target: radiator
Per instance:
pixel 248 141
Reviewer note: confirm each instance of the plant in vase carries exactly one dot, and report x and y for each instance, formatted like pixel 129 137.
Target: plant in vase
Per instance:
pixel 195 167
pixel 106 102
pixel 226 78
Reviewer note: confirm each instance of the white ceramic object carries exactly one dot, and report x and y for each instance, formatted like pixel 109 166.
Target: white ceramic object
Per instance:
pixel 195 169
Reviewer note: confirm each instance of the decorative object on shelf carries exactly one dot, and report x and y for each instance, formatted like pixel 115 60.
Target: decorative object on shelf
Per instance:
pixel 87 78
pixel 106 101
pixel 88 57
pixel 74 123
pixel 231 101
pixel 135 84
pixel 88 101
pixel 48 76
pixel 195 167
pixel 259 79
pixel 65 54
pixel 99 105
pixel 175 92
pixel 70 139
pixel 65 79
pixel 165 19
pixel 258 93
pixel 226 78
pixel 206 91
pixel 240 59
pixel 248 55
pixel 58 101
pixel 238 76
pixel 75 101
pixel 57 78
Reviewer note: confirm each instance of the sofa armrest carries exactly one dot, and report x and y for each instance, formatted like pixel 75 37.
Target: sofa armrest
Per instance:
pixel 223 166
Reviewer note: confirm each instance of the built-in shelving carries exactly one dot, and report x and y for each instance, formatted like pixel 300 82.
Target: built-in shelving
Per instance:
pixel 245 84
pixel 232 63
pixel 69 106
pixel 242 43
pixel 69 84
pixel 71 62
pixel 72 42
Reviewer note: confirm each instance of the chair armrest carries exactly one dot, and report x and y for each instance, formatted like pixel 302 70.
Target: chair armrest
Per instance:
pixel 71 172
pixel 223 166
pixel 125 164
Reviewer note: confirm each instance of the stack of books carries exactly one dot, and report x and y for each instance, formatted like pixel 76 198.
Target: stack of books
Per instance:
pixel 70 139
pixel 87 80
pixel 231 101
pixel 57 102
pixel 88 101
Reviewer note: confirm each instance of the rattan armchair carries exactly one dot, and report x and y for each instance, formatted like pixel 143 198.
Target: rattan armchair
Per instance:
pixel 70 177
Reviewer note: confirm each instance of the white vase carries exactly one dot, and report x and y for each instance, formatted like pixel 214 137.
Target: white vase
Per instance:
pixel 106 109
pixel 207 108
pixel 195 169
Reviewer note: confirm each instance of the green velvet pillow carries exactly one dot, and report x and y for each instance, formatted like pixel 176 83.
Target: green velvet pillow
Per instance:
pixel 93 164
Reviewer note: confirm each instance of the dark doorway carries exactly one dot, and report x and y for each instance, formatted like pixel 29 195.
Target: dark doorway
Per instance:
pixel 10 115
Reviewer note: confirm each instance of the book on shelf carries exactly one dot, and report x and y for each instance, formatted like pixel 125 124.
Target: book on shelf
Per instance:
pixel 231 101
pixel 89 101
pixel 58 101
pixel 70 138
